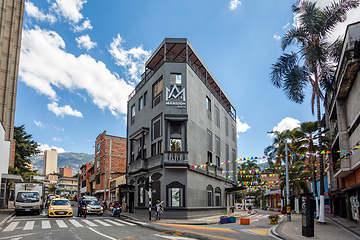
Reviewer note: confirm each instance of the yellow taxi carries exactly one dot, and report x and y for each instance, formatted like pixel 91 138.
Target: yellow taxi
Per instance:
pixel 60 207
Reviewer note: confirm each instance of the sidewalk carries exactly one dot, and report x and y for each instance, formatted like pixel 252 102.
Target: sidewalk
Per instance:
pixel 195 221
pixel 335 228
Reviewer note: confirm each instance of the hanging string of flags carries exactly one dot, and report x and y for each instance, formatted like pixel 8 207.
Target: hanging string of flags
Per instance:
pixel 346 154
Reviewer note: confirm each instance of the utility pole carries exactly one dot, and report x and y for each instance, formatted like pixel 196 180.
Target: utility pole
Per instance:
pixel 288 209
pixel 148 186
pixel 108 202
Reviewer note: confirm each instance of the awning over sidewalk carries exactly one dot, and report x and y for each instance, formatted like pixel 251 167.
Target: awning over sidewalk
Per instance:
pixel 6 178
pixel 11 178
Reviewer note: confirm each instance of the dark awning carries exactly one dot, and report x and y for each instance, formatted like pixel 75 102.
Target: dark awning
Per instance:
pixel 233 189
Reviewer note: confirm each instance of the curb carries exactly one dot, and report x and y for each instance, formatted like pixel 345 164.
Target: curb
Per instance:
pixel 275 233
pixel 350 230
pixel 7 218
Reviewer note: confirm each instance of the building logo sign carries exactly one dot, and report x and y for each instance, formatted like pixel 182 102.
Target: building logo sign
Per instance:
pixel 176 93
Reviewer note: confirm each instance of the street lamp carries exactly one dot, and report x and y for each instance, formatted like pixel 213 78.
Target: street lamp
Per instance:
pixel 288 209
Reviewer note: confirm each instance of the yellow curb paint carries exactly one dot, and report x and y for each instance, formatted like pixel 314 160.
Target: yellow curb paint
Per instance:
pixel 263 232
pixel 192 227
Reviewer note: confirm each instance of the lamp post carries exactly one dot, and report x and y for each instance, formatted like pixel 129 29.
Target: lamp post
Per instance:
pixel 288 209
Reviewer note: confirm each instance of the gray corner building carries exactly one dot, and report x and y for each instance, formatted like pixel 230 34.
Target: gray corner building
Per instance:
pixel 181 133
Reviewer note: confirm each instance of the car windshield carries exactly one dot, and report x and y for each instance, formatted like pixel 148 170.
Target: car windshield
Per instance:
pixel 27 197
pixel 92 202
pixel 60 202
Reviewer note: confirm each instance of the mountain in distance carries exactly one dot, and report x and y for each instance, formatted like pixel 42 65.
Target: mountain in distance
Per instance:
pixel 73 160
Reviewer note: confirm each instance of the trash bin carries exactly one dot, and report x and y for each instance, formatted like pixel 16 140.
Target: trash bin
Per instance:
pixel 307 210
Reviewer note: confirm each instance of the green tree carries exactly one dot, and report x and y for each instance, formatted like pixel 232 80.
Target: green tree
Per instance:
pixel 25 148
pixel 306 137
pixel 313 63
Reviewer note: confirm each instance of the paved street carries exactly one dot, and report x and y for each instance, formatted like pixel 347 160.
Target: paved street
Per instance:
pixel 93 227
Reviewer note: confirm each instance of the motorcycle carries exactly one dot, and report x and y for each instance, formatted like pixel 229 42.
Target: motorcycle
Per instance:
pixel 83 211
pixel 117 211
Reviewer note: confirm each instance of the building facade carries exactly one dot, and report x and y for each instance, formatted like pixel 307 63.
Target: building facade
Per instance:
pixel 179 118
pixel 50 161
pixel 85 187
pixel 67 186
pixel 110 162
pixel 11 22
pixel 342 117
pixel 66 171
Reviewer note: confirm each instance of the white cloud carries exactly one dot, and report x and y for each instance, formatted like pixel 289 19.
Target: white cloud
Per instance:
pixel 57 139
pixel 85 42
pixel 62 111
pixel 44 64
pixel 39 124
pixel 287 123
pixel 44 147
pixel 234 4
pixel 277 37
pixel 69 9
pixel 34 12
pixel 132 60
pixel 241 127
pixel 85 25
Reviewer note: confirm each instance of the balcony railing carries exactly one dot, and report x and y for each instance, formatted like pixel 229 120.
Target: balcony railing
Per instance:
pixel 177 157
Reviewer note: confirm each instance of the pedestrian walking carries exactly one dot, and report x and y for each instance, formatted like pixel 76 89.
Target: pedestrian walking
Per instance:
pixel 159 210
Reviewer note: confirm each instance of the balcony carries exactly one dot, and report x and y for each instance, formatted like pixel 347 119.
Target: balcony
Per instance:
pixel 138 166
pixel 176 158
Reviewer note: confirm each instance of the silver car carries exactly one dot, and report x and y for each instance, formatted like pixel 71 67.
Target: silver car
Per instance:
pixel 93 206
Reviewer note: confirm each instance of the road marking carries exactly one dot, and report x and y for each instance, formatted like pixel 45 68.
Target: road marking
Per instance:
pixel 17 236
pixel 45 224
pixel 29 225
pixel 103 223
pixel 128 223
pixel 102 234
pixel 262 231
pixel 75 223
pixel 91 224
pixel 142 223
pixel 11 227
pixel 116 223
pixel 61 224
pixel 172 237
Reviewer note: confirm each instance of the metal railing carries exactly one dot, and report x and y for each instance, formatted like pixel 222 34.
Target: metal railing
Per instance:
pixel 176 157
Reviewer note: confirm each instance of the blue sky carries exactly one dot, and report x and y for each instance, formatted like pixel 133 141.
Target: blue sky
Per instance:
pixel 81 59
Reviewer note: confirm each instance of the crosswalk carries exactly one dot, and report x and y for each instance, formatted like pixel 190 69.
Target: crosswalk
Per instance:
pixel 67 223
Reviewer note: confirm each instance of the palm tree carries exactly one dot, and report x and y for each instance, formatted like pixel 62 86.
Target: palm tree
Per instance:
pixel 313 63
pixel 305 143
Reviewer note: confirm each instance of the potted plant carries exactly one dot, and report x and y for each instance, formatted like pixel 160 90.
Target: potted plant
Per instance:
pixel 274 219
pixel 224 219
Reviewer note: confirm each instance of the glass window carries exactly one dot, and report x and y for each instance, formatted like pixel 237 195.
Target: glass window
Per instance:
pixel 175 144
pixel 208 104
pixel 60 202
pixel 158 87
pixel 233 133
pixel 217 197
pixel 133 111
pixel 141 103
pixel 159 147
pixel 209 140
pixel 157 129
pixel 145 98
pixel 27 197
pixel 209 157
pixel 98 148
pixel 209 190
pixel 226 126
pixel 175 195
pixel 175 78
pixel 153 149
pixel 217 116
pixel 141 196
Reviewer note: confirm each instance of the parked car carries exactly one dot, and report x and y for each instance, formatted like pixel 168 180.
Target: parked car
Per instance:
pixel 93 206
pixel 60 207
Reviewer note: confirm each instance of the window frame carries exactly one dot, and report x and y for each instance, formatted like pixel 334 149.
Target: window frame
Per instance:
pixel 175 82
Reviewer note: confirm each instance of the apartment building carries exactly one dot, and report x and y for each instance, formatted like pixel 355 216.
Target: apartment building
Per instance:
pixel 110 162
pixel 66 171
pixel 50 161
pixel 179 117
pixel 85 185
pixel 342 117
